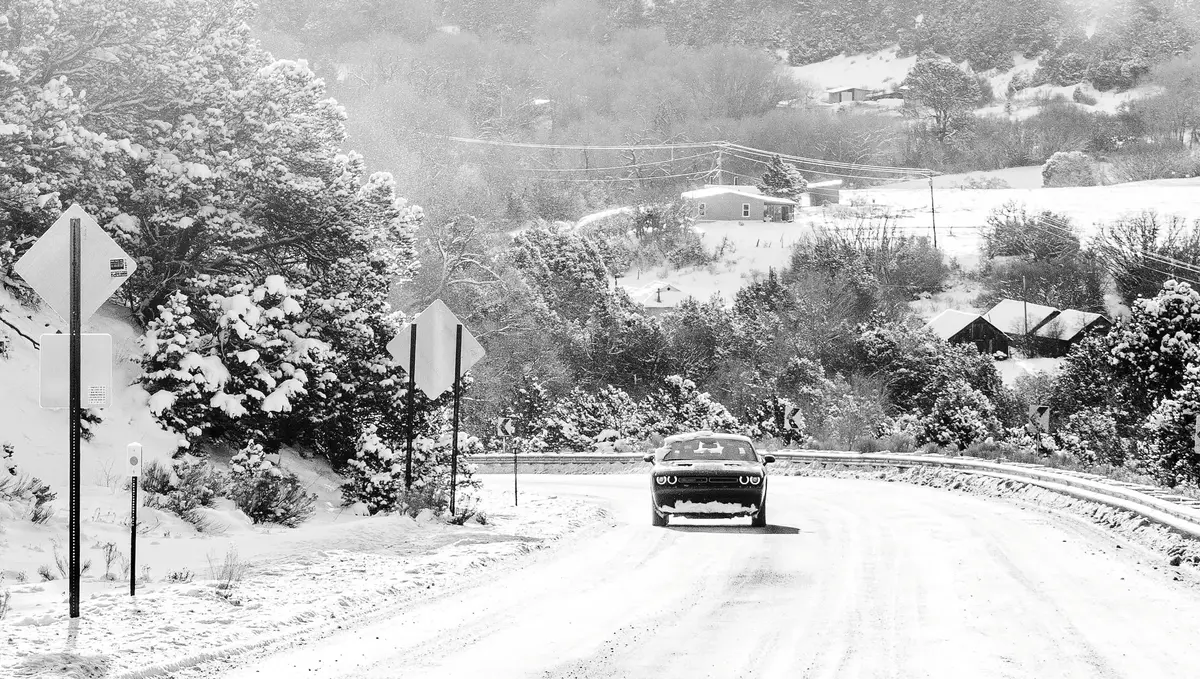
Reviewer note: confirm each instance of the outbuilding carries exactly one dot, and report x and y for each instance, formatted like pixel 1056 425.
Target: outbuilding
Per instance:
pixel 1018 318
pixel 961 327
pixel 725 202
pixel 1068 328
pixel 840 95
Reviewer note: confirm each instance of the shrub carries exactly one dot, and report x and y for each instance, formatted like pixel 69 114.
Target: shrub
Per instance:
pixel 266 493
pixel 983 182
pixel 1069 168
pixel 198 485
pixel 227 572
pixel 1142 162
pixel 1081 97
pixel 5 595
pixel 155 479
pixel 47 574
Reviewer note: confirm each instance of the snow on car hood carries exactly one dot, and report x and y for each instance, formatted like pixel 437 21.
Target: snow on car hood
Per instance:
pixel 686 507
pixel 706 466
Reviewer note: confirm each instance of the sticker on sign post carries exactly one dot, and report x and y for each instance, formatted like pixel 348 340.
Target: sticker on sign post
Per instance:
pixel 95 367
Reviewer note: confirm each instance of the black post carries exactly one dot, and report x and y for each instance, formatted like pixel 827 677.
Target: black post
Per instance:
pixel 514 471
pixel 454 433
pixel 412 400
pixel 133 539
pixel 74 407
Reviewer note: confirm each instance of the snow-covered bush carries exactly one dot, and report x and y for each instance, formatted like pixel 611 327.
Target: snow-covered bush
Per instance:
pixel 236 380
pixel 1069 168
pixel 375 476
pixel 679 406
pixel 766 420
pixel 577 420
pixel 266 493
pixel 194 484
pixel 1091 435
pixel 31 495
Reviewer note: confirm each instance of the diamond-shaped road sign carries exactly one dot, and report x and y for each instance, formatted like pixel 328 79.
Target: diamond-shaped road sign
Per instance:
pixel 504 426
pixel 103 265
pixel 434 370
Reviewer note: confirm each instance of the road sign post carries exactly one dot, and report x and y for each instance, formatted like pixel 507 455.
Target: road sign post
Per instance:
pixel 75 250
pixel 1039 420
pixel 73 540
pixel 412 403
pixel 134 460
pixel 458 339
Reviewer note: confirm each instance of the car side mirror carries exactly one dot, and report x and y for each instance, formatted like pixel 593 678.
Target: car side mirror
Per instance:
pixel 768 459
pixel 648 458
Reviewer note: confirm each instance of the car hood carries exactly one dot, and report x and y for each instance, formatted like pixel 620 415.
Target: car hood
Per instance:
pixel 706 467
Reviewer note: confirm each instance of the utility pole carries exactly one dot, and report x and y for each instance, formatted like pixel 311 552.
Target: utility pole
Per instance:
pixel 1025 304
pixel 932 212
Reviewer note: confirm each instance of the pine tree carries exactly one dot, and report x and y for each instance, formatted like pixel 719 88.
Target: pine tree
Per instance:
pixel 782 180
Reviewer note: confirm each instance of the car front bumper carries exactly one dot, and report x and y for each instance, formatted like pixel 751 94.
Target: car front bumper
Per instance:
pixel 734 501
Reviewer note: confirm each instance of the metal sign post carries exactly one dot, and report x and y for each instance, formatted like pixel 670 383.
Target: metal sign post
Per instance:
pixel 458 338
pixel 73 408
pixel 412 403
pixel 134 460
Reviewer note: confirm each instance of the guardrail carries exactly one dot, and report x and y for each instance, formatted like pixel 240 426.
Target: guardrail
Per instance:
pixel 1179 513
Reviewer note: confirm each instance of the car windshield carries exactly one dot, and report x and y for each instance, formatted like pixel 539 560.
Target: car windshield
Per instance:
pixel 711 449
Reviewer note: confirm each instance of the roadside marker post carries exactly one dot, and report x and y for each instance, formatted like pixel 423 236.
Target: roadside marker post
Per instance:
pixel 134 460
pixel 75 267
pixel 505 429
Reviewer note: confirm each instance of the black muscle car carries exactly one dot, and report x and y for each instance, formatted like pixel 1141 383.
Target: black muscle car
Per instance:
pixel 708 475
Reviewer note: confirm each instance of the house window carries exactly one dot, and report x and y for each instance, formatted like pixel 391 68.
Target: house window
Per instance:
pixel 745 209
pixel 702 209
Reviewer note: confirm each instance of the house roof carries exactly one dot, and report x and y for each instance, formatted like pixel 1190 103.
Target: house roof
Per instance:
pixel 658 294
pixel 847 88
pixel 825 184
pixel 1009 315
pixel 950 322
pixel 1068 324
pixel 710 191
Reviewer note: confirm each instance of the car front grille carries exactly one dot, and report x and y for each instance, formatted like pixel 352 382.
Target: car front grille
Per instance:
pixel 709 481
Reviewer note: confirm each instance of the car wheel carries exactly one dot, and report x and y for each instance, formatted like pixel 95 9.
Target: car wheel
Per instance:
pixel 656 519
pixel 760 519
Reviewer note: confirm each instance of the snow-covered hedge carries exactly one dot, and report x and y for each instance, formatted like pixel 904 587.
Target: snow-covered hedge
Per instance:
pixel 1069 168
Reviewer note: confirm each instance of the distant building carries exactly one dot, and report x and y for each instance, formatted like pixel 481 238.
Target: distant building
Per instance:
pixel 960 327
pixel 822 193
pixel 1068 328
pixel 658 297
pixel 735 202
pixel 840 95
pixel 1017 318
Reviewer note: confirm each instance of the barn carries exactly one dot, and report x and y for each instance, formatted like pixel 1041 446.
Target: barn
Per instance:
pixel 724 202
pixel 1018 318
pixel 1068 328
pixel 960 327
pixel 841 95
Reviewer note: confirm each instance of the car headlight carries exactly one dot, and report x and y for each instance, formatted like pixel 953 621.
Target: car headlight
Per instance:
pixel 755 480
pixel 744 480
pixel 671 480
pixel 660 480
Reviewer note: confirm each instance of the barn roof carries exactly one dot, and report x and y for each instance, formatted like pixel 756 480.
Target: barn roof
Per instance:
pixel 950 322
pixel 1067 324
pixel 735 190
pixel 1009 315
pixel 847 88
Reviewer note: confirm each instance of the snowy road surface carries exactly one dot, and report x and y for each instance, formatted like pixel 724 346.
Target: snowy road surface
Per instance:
pixel 853 579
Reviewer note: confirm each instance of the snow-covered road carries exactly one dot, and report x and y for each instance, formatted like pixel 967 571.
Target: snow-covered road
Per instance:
pixel 853 579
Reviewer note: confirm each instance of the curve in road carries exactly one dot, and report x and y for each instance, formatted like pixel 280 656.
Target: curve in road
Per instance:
pixel 853 579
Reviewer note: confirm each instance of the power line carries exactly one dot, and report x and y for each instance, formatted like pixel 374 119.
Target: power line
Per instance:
pixel 622 179
pixel 918 171
pixel 624 167
pixel 827 172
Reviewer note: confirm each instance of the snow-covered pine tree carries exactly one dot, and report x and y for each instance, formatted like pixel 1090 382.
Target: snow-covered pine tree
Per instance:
pixel 782 180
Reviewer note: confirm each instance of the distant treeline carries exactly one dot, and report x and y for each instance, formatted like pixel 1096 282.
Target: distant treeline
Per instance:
pixel 1110 44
